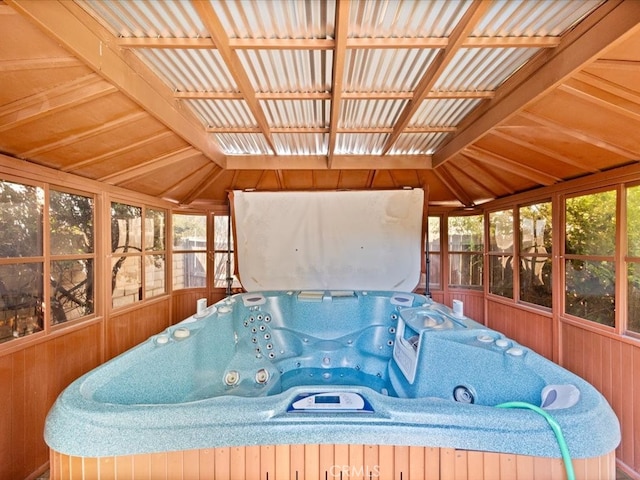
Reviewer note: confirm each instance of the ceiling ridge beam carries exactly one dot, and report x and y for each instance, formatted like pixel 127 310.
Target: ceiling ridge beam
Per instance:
pixel 312 130
pixel 54 100
pixel 70 25
pixel 234 64
pixel 467 23
pixel 151 165
pixel 609 25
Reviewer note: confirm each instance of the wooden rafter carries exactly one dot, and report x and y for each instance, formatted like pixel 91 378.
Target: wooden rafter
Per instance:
pixel 329 44
pixel 234 64
pixel 204 183
pixel 86 134
pixel 452 184
pixel 319 162
pixel 54 100
pixel 610 24
pixel 80 33
pixel 149 166
pixel 339 53
pixel 516 168
pixel 504 133
pixel 467 23
pixel 327 96
pixel 589 137
pixel 117 152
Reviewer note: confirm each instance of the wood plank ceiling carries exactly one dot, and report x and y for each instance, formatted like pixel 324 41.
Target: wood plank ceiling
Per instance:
pixel 471 99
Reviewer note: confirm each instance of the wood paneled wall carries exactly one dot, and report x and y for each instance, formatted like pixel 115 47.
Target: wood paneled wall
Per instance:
pixel 612 365
pixel 184 302
pixel 127 329
pixel 30 380
pixel 533 329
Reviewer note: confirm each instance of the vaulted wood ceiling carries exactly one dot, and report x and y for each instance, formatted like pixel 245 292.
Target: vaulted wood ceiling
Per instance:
pixel 473 100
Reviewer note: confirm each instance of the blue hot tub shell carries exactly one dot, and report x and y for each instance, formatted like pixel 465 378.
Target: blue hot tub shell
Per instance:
pixel 343 367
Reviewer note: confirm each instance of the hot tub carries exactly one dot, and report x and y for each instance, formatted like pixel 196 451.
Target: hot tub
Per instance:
pixel 329 384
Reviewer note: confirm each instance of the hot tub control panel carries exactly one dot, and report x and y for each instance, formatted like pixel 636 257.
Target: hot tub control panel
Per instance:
pixel 350 402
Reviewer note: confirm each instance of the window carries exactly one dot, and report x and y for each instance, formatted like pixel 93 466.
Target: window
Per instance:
pixel 72 266
pixel 433 252
pixel 501 253
pixel 189 251
pixel 535 254
pixel 21 260
pixel 466 246
pixel 633 259
pixel 130 253
pixel 155 254
pixel 223 253
pixel 590 227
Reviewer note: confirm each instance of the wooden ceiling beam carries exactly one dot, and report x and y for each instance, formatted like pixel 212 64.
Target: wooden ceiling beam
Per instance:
pixel 588 137
pixel 319 162
pixel 610 24
pixel 54 100
pixel 315 130
pixel 516 168
pixel 329 44
pixel 71 26
pixel 341 33
pixel 118 151
pixel 152 165
pixel 467 23
pixel 445 95
pixel 19 65
pixel 234 64
pixel 453 186
pixel 214 173
pixel 86 134
pixel 539 148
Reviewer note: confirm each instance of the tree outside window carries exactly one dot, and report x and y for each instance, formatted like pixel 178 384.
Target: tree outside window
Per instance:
pixel 590 239
pixel 189 251
pixel 535 254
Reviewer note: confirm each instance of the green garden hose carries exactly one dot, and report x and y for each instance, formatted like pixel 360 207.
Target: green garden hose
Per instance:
pixel 564 450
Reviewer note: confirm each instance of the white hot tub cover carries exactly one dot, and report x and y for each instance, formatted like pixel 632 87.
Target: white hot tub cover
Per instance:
pixel 338 240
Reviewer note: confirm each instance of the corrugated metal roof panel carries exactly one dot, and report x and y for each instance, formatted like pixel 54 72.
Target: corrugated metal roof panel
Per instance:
pixel 385 70
pixel 297 113
pixel 360 143
pixel 190 70
pixel 418 143
pixel 405 18
pixel 482 68
pixel 301 143
pixel 269 19
pixel 149 18
pixel 370 113
pixel 532 18
pixel 288 70
pixel 242 144
pixel 443 113
pixel 223 113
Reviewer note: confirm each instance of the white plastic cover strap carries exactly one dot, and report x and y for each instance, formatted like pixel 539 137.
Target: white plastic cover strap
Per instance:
pixel 344 240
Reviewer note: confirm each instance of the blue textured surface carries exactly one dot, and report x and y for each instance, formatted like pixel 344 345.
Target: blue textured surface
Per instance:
pixel 228 379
